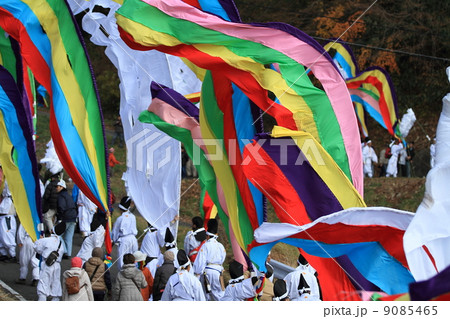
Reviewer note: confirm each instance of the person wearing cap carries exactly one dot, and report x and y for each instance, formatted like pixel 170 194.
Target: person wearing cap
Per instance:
pixel 27 258
pixel 49 284
pixel 309 274
pixel 208 264
pixel 99 275
pixel 239 288
pixel 183 286
pixel 95 238
pixel 124 231
pixel 195 238
pixel 140 259
pixel 129 281
pixel 280 292
pixel 8 227
pixel 85 292
pixel 369 157
pixel 67 212
pixel 152 242
pixel 163 274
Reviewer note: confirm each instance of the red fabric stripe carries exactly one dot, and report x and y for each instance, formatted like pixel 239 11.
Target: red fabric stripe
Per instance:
pixel 244 80
pixel 193 3
pixel 207 207
pixel 430 256
pixel 382 101
pixel 223 93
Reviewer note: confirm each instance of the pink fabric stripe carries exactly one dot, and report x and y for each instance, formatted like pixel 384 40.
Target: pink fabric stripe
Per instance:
pixel 297 50
pixel 366 97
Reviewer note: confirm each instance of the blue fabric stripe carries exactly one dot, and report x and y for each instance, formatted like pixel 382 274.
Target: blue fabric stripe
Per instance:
pixel 372 112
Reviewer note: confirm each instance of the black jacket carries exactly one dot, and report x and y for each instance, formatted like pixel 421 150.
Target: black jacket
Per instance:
pixel 67 211
pixel 50 198
pixel 162 275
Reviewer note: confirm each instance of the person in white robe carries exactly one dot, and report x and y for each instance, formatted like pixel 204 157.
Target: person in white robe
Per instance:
pixel 49 284
pixel 95 237
pixel 183 286
pixel 239 288
pixel 170 244
pixel 194 238
pixel 306 290
pixel 293 280
pixel 27 258
pixel 280 292
pixel 391 169
pixel 208 264
pixel 152 242
pixel 124 231
pixel 8 227
pixel 369 158
pixel 86 211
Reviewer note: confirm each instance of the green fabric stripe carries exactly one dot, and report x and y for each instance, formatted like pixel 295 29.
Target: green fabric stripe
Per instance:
pixel 80 67
pixel 8 59
pixel 323 113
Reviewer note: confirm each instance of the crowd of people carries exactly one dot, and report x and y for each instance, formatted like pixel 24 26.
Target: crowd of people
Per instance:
pixel 395 159
pixel 154 270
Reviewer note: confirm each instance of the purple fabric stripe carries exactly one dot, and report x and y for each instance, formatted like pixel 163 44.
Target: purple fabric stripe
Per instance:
pixel 431 288
pixel 299 35
pixel 230 8
pixel 313 191
pixel 83 44
pixel 175 99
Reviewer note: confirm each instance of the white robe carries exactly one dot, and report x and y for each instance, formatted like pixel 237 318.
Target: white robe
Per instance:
pixel 432 155
pixel 124 233
pixel 292 280
pixel 94 239
pixel 8 229
pixel 27 255
pixel 239 291
pixel 190 242
pixel 209 260
pixel 152 243
pixel 391 169
pixel 183 286
pixel 86 211
pixel 50 276
pixel 369 157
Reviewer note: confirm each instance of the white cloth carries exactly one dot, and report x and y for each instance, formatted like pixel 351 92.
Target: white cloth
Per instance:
pixel 183 286
pixel 190 242
pixel 209 260
pixel 86 211
pixel 27 255
pixel 369 157
pixel 124 233
pixel 429 226
pixel 8 229
pixel 239 291
pixel 152 243
pixel 391 169
pixel 49 277
pixel 402 157
pixel 292 280
pixel 94 239
pixel 432 155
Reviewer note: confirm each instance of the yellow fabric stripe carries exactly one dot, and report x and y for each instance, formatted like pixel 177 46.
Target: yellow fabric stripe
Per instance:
pixel 267 78
pixel 11 171
pixel 325 167
pixel 223 173
pixel 199 72
pixel 69 85
pixel 342 51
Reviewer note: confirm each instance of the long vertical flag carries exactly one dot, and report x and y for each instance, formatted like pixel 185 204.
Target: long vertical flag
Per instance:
pixel 16 136
pixel 52 47
pixel 240 52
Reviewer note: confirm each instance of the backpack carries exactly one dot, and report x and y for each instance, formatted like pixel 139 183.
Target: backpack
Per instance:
pixel 388 153
pixel 53 256
pixel 73 285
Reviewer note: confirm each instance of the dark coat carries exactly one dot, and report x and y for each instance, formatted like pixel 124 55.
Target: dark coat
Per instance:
pixel 162 275
pixel 50 198
pixel 67 211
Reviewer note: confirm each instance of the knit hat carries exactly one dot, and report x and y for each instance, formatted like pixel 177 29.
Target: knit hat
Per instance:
pixel 59 228
pixel 213 227
pixel 169 256
pixel 169 240
pixel 125 203
pixel 236 269
pixel 76 262
pixel 97 252
pixel 139 256
pixel 279 290
pixel 183 259
pixel 302 260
